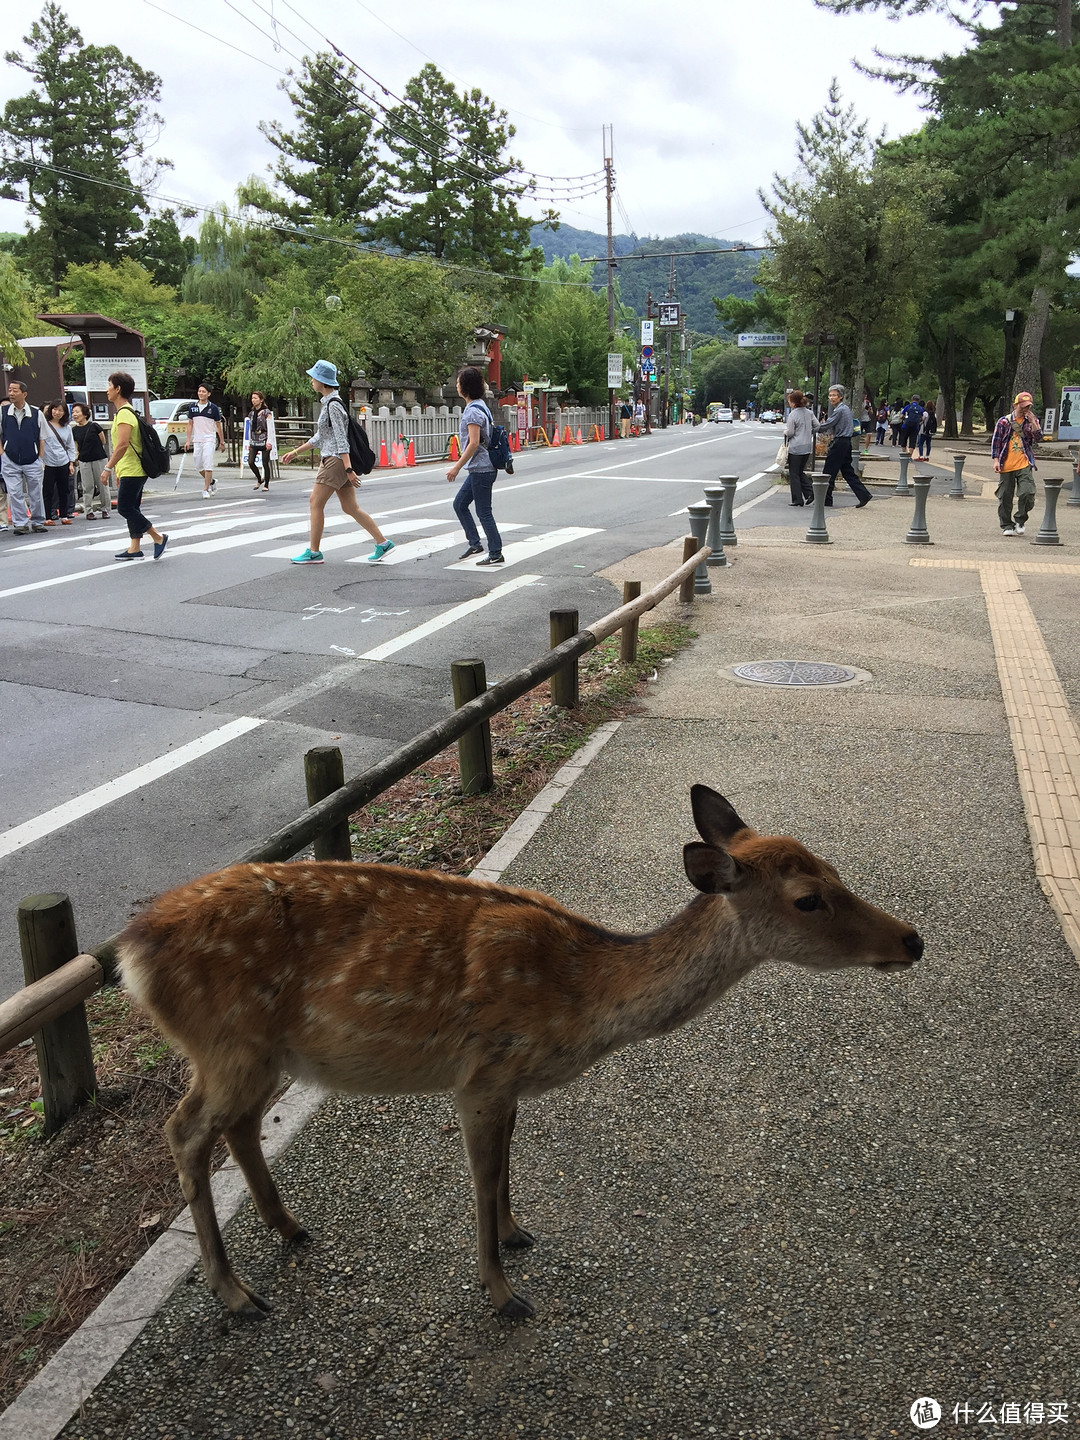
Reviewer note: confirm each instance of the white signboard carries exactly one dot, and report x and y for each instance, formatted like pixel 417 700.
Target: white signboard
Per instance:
pixel 669 314
pixel 1048 422
pixel 752 339
pixel 98 370
pixel 646 332
pixel 1069 414
pixel 614 369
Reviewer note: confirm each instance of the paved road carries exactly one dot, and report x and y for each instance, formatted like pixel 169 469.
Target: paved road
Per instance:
pixel 155 714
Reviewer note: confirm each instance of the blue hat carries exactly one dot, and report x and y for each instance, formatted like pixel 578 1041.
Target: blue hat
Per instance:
pixel 324 372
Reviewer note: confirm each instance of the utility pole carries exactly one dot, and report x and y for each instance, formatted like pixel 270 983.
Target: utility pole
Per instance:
pixel 609 186
pixel 667 343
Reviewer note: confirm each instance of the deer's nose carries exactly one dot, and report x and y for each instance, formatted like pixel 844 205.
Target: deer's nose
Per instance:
pixel 913 944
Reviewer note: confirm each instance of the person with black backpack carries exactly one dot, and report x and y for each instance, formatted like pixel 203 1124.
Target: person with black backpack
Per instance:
pixel 475 435
pixel 130 463
pixel 345 457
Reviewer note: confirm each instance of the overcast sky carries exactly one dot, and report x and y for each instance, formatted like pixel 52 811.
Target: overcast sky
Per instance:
pixel 703 98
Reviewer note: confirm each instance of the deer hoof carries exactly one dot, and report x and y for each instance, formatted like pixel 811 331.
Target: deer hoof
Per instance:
pixel 302 1237
pixel 254 1307
pixel 517 1308
pixel 519 1239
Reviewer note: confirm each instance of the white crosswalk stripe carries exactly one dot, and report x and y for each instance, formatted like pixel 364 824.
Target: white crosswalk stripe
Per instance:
pixel 523 550
pixel 420 549
pixel 355 536
pixel 204 527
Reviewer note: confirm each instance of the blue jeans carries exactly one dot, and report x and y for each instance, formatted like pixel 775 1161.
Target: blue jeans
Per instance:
pixel 476 487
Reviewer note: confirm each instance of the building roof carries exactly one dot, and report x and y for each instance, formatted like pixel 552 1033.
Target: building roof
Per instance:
pixel 86 325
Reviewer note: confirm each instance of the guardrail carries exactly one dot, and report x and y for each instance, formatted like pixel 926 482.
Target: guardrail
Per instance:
pixel 59 978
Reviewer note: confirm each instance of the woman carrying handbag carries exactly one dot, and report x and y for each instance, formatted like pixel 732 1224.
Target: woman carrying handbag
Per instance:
pixel 799 439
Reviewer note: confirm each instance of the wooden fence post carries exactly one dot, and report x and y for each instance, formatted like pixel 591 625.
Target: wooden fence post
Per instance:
pixel 686 589
pixel 65 1058
pixel 324 772
pixel 564 682
pixel 628 636
pixel 474 747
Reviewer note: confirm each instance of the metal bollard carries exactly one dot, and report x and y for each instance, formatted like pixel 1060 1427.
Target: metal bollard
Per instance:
pixel 628 635
pixel 956 490
pixel 817 534
pixel 918 534
pixel 564 683
pixel 469 679
pixel 324 772
pixel 699 524
pixel 1048 531
pixel 714 494
pixel 902 486
pixel 727 520
pixel 1074 492
pixel 64 1053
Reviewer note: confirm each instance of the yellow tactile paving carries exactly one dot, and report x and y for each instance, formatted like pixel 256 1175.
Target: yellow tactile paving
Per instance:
pixel 1045 740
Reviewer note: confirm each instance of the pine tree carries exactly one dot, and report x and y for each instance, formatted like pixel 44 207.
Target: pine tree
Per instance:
pixel 73 149
pixel 329 163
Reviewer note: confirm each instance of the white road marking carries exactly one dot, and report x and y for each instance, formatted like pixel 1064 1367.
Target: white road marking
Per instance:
pixel 421 632
pixel 523 550
pixel 420 549
pixel 210 527
pixel 356 536
pixel 258 537
pixel 22 835
pixel 64 579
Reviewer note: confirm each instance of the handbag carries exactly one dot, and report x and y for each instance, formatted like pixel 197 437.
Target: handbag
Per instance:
pixel 782 455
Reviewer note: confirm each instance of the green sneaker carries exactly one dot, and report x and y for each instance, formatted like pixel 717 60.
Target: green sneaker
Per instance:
pixel 308 557
pixel 381 549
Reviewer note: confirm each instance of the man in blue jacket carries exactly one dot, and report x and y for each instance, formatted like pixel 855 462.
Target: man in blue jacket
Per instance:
pixel 22 466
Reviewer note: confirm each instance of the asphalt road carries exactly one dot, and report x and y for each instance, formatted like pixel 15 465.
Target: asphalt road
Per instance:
pixel 155 714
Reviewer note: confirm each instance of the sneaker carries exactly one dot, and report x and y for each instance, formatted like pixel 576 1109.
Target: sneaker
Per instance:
pixel 91 516
pixel 472 550
pixel 1007 530
pixel 213 486
pixel 1018 528
pixel 381 549
pixel 37 529
pixel 129 555
pixel 206 494
pixel 25 529
pixel 308 557
pixel 159 547
pixel 492 560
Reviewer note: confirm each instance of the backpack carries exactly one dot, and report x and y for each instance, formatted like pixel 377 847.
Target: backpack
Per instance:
pixel 499 449
pixel 913 413
pixel 153 457
pixel 360 452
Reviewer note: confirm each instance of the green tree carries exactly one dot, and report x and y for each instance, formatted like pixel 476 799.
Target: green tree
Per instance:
pixel 564 334
pixel 163 250
pixel 16 308
pixel 232 264
pixel 328 164
pixel 74 148
pixel 293 328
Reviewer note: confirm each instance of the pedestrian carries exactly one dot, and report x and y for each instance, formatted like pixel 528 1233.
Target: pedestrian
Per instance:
pixel 639 417
pixel 125 462
pixel 882 423
pixel 799 433
pixel 260 439
pixel 204 435
pixel 58 482
pixel 1013 452
pixel 867 424
pixel 838 457
pixel 626 415
pixel 927 430
pixel 474 436
pixel 22 464
pixel 896 419
pixel 89 440
pixel 335 471
pixel 910 421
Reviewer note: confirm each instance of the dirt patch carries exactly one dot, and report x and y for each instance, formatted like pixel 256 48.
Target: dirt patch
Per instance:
pixel 80 1208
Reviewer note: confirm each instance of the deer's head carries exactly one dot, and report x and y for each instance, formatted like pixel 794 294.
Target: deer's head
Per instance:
pixel 792 905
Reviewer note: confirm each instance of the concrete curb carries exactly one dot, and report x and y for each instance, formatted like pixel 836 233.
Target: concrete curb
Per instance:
pixel 60 1389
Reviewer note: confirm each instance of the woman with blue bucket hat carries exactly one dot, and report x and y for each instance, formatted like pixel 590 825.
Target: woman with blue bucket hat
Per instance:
pixel 336 472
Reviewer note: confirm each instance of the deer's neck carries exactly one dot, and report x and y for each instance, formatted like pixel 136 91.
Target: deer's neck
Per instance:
pixel 683 968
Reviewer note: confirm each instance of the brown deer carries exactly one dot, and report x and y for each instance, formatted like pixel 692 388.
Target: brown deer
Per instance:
pixel 371 979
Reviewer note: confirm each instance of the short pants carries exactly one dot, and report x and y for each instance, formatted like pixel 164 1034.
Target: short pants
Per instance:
pixel 203 452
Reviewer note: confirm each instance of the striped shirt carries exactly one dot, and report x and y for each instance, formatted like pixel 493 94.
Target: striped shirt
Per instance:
pixel 332 434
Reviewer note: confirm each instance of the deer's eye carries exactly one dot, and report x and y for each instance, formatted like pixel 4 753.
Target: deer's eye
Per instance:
pixel 808 902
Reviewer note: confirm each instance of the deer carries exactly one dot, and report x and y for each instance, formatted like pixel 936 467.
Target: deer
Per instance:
pixel 375 979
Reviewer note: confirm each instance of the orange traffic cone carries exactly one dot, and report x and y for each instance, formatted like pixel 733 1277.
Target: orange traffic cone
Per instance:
pixel 567 438
pixel 555 436
pixel 383 461
pixel 579 440
pixel 410 458
pixel 397 456
pixel 595 433
pixel 455 452
pixel 514 446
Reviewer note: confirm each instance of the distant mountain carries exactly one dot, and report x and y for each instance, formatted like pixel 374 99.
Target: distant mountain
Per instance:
pixel 697 279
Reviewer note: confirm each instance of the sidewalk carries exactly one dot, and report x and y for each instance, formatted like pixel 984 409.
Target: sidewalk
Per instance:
pixel 827 1197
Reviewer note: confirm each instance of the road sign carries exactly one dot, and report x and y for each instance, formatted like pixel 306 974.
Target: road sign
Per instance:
pixel 614 369
pixel 754 339
pixel 646 352
pixel 646 332
pixel 670 312
pixel 819 337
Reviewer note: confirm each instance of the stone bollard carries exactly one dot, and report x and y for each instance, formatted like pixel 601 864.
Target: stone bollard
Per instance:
pixel 918 534
pixel 699 524
pixel 817 533
pixel 714 494
pixel 1048 531
pixel 727 521
pixel 1074 493
pixel 956 489
pixel 902 486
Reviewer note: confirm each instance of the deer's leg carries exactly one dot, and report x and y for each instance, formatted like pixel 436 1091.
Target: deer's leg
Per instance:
pixel 510 1232
pixel 245 1146
pixel 484 1123
pixel 191 1131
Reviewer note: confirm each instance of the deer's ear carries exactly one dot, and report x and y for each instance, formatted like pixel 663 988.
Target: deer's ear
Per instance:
pixel 714 816
pixel 711 869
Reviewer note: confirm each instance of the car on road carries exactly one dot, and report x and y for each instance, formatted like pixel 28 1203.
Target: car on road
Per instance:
pixel 771 417
pixel 169 418
pixel 721 414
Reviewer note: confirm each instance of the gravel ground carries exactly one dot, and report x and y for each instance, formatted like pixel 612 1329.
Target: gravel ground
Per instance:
pixel 826 1197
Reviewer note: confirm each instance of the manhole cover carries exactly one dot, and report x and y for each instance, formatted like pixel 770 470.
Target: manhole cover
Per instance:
pixel 794 672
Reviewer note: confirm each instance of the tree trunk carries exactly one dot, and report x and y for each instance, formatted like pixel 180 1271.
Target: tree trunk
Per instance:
pixel 1048 385
pixel 1030 357
pixel 858 377
pixel 946 371
pixel 990 404
pixel 967 419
